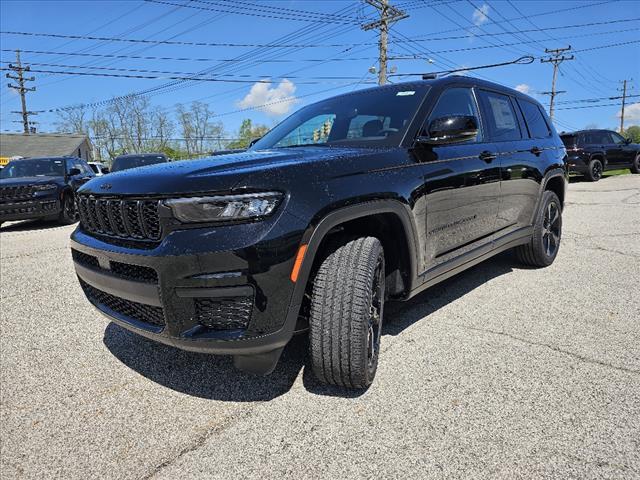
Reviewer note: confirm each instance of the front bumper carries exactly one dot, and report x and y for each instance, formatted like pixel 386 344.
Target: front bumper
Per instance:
pixel 25 210
pixel 223 290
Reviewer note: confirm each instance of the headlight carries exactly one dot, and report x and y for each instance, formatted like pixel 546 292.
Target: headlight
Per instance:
pixel 227 207
pixel 47 187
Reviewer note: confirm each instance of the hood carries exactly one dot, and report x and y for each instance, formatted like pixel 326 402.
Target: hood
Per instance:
pixel 218 173
pixel 16 182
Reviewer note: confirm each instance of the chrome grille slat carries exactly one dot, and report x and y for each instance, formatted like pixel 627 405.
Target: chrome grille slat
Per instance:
pixel 119 217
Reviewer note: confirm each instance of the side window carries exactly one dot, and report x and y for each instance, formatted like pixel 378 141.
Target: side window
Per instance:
pixel 454 101
pixel 534 119
pixel 500 116
pixel 616 138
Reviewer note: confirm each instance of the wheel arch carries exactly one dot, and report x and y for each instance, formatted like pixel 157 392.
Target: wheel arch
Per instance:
pixel 388 220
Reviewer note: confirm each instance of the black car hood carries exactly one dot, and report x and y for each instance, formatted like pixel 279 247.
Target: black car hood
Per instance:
pixel 213 174
pixel 16 182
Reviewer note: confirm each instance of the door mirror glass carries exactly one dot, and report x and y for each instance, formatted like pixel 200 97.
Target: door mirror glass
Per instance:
pixel 451 129
pixel 74 171
pixel 627 141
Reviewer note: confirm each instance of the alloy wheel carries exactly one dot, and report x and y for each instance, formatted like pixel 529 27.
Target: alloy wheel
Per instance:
pixel 375 315
pixel 551 229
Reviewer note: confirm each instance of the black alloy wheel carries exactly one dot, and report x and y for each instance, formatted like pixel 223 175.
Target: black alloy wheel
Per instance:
pixel 551 229
pixel 69 213
pixel 542 248
pixel 595 170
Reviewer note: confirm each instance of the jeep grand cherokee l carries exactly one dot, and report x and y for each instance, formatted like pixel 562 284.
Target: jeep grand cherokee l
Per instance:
pixel 592 152
pixel 349 202
pixel 42 188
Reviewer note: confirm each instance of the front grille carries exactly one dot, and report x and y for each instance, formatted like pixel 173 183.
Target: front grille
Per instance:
pixel 134 272
pixel 84 259
pixel 224 313
pixel 18 192
pixel 121 218
pixel 137 311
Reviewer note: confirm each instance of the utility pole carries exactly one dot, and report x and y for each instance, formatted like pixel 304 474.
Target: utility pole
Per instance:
pixel 21 79
pixel 388 15
pixel 556 58
pixel 624 98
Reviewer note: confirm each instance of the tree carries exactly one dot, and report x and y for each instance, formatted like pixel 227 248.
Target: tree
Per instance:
pixel 633 132
pixel 199 132
pixel 246 134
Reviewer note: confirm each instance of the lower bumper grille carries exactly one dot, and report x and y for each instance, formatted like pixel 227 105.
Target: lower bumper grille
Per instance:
pixel 136 311
pixel 224 313
pixel 137 273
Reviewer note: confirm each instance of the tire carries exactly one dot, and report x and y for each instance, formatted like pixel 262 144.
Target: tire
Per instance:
pixel 594 172
pixel 68 214
pixel 635 168
pixel 345 320
pixel 543 247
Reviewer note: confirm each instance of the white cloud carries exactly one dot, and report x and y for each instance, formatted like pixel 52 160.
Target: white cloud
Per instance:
pixel 631 112
pixel 274 101
pixel 523 88
pixel 480 15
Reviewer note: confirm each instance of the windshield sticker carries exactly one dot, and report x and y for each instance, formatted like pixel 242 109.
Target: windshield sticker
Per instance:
pixel 405 93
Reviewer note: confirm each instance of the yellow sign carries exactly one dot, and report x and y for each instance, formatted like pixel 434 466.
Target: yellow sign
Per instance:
pixel 4 160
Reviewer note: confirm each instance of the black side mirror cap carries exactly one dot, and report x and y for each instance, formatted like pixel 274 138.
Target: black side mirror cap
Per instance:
pixel 450 129
pixel 74 171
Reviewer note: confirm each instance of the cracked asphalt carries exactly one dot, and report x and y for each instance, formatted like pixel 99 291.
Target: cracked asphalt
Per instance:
pixel 501 372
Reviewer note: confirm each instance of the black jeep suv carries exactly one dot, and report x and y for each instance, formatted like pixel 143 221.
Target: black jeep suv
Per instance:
pixel 42 188
pixel 591 152
pixel 351 201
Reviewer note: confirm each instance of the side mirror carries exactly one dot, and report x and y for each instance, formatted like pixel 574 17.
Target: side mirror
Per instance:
pixel 74 171
pixel 105 170
pixel 451 129
pixel 627 141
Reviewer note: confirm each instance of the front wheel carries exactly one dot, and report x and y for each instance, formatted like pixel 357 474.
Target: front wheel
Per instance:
pixel 635 168
pixel 68 215
pixel 345 320
pixel 543 247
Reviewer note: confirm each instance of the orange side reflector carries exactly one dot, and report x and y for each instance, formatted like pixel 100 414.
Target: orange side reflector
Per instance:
pixel 296 266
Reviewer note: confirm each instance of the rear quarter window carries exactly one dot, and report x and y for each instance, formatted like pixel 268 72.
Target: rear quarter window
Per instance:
pixel 533 117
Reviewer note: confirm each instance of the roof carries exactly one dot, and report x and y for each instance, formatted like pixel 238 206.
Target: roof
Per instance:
pixel 40 144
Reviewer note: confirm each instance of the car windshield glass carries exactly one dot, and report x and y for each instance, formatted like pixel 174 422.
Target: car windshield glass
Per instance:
pixel 376 117
pixel 123 163
pixel 37 167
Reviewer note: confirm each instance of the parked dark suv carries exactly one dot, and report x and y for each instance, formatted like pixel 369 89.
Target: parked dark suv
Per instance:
pixel 42 188
pixel 360 198
pixel 592 152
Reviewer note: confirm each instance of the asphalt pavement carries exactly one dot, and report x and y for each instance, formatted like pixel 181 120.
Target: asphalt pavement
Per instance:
pixel 500 372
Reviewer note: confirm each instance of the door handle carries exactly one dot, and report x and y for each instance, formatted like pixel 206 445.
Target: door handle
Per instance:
pixel 488 156
pixel 536 151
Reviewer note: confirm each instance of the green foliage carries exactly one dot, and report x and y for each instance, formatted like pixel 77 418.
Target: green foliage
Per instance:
pixel 633 132
pixel 246 133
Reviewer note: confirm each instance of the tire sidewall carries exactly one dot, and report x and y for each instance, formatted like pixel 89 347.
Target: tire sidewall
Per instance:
pixel 592 164
pixel 538 243
pixel 63 218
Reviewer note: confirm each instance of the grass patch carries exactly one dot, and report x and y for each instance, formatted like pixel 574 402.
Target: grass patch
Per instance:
pixel 611 173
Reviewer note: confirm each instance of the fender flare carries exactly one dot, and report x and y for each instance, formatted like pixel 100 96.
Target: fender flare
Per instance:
pixel 552 173
pixel 602 156
pixel 314 236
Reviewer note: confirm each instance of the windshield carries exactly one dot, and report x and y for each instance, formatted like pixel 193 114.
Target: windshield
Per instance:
pixel 123 163
pixel 37 167
pixel 377 117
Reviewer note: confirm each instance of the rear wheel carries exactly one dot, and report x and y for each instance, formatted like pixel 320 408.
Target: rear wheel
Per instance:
pixel 543 247
pixel 68 215
pixel 635 168
pixel 345 320
pixel 594 172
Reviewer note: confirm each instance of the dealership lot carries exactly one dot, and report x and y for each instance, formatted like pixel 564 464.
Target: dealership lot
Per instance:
pixel 501 371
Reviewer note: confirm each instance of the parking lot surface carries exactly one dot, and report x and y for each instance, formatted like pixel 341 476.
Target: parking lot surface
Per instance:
pixel 500 372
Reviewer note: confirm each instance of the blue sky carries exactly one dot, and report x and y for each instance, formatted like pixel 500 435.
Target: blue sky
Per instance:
pixel 315 56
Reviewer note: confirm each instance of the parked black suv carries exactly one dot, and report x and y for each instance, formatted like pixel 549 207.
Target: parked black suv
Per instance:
pixel 42 188
pixel 133 160
pixel 351 201
pixel 592 152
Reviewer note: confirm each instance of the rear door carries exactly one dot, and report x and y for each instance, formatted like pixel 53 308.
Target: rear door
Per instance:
pixel 462 183
pixel 519 158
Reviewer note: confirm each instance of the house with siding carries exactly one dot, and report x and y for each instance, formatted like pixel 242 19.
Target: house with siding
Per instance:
pixel 44 145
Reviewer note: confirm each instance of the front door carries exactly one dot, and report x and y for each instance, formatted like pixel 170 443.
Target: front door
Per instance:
pixel 462 184
pixel 619 153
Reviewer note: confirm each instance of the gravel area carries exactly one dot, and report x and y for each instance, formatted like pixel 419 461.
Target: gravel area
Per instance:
pixel 500 372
